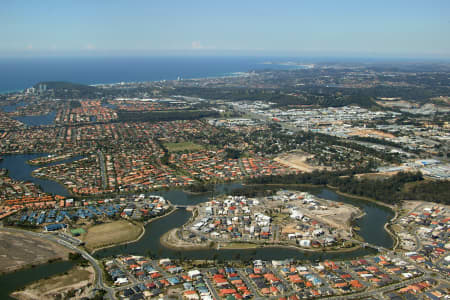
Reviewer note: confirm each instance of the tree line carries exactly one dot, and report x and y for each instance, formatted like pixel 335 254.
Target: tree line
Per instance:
pixel 156 116
pixel 391 190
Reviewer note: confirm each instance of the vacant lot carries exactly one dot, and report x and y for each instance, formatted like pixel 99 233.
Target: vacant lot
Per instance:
pixel 75 279
pixel 185 146
pixel 338 217
pixel 297 161
pixel 372 132
pixel 409 205
pixel 170 239
pixel 18 250
pixel 110 234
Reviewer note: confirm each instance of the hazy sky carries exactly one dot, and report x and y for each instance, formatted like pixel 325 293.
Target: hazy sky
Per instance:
pixel 315 27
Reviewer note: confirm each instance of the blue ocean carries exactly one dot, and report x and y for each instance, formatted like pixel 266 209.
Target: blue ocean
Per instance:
pixel 20 73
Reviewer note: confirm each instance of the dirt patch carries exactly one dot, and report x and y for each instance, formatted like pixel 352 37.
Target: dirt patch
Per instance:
pixel 78 279
pixel 238 246
pixel 339 217
pixel 171 240
pixel 18 250
pixel 290 228
pixel 298 161
pixel 372 132
pixel 411 205
pixel 374 176
pixel 110 234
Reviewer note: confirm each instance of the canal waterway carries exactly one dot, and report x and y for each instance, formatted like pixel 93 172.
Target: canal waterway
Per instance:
pixel 19 169
pixel 19 279
pixel 371 229
pixel 47 119
pixel 371 224
pixel 12 107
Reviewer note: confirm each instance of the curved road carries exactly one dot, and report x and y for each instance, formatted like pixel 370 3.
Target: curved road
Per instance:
pixel 98 271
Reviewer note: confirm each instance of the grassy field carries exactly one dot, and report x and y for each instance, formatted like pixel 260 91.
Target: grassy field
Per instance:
pixel 184 146
pixel 111 233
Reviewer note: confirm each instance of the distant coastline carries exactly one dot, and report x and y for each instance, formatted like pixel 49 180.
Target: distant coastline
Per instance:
pixel 24 73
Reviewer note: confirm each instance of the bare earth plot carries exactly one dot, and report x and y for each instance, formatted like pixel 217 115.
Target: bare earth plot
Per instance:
pixel 110 234
pixel 371 132
pixel 374 176
pixel 411 205
pixel 76 279
pixel 339 217
pixel 18 250
pixel 171 240
pixel 298 161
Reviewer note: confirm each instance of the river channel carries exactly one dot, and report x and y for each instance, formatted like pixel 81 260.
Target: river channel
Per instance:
pixel 39 120
pixel 47 119
pixel 371 230
pixel 19 169
pixel 371 224
pixel 16 280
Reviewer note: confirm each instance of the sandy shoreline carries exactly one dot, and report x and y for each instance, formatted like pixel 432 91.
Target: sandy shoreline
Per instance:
pixel 48 288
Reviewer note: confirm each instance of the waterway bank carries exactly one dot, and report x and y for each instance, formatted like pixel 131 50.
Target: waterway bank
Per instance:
pixel 111 234
pixel 54 159
pixel 12 107
pixel 172 241
pixel 394 236
pixel 78 278
pixel 301 185
pixel 310 250
pixel 33 121
pixel 29 265
pixel 19 169
pixel 143 226
pixel 16 280
pixel 386 226
pixel 336 190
